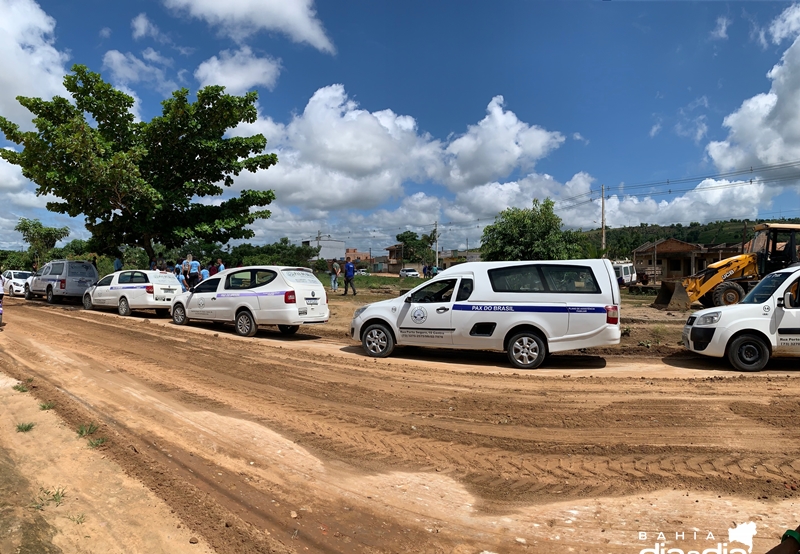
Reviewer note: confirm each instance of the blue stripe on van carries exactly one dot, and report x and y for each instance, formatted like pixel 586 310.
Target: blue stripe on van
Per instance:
pixel 538 309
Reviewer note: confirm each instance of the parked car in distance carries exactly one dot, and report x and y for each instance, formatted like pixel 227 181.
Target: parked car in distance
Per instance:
pixel 409 272
pixel 60 279
pixel 765 323
pixel 257 295
pixel 133 290
pixel 15 282
pixel 362 272
pixel 526 309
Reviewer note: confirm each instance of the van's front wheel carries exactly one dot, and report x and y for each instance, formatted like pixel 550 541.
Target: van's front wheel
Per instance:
pixel 748 353
pixel 526 350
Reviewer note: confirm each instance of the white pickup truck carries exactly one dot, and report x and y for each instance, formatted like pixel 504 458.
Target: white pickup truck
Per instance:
pixel 766 323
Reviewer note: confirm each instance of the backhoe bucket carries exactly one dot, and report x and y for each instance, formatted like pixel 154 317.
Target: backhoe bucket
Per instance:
pixel 672 296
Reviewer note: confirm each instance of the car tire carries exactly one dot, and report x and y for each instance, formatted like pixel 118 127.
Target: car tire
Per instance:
pixel 748 353
pixel 727 294
pixel 162 312
pixel 245 324
pixel 28 294
pixel 288 329
pixel 11 292
pixel 123 308
pixel 51 299
pixel 179 315
pixel 526 350
pixel 87 302
pixel 377 340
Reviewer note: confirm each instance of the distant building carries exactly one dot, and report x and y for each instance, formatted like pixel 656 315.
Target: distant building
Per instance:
pixel 330 249
pixel 357 256
pixel 673 259
pixel 449 258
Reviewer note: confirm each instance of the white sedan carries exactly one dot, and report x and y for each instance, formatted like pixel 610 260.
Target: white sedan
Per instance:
pixel 15 282
pixel 409 272
pixel 133 290
pixel 257 295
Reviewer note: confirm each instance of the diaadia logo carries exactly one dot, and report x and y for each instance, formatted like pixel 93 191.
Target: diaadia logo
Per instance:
pixel 685 542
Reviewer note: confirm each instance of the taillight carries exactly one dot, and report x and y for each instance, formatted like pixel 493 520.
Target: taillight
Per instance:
pixel 62 284
pixel 612 315
pixel 289 297
pixel 149 289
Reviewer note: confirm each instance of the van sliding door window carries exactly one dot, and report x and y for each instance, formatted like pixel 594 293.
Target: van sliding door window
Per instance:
pixel 570 278
pixel 518 278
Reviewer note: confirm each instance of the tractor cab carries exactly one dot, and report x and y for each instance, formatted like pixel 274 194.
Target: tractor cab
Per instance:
pixel 776 245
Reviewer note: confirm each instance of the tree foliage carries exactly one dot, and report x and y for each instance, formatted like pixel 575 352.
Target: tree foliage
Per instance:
pixel 529 234
pixel 282 252
pixel 40 238
pixel 137 183
pixel 417 249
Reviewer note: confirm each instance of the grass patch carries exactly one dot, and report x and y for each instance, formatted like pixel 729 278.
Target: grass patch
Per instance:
pixel 25 427
pixel 47 496
pixel 47 405
pixel 57 496
pixel 658 332
pixel 78 519
pixel 86 430
pixel 19 387
pixel 99 441
pixel 29 380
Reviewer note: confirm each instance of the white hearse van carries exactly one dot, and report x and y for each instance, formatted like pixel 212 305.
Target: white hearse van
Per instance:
pixel 626 272
pixel 766 323
pixel 527 309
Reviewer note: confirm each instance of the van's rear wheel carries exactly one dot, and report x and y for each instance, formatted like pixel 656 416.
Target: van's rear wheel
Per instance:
pixel 526 350
pixel 748 353
pixel 288 329
pixel 378 341
pixel 727 294
pixel 124 308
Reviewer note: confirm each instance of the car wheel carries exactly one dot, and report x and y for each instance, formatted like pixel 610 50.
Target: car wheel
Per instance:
pixel 11 292
pixel 748 353
pixel 726 294
pixel 162 312
pixel 378 341
pixel 28 293
pixel 526 350
pixel 50 297
pixel 87 302
pixel 288 329
pixel 179 315
pixel 245 324
pixel 124 308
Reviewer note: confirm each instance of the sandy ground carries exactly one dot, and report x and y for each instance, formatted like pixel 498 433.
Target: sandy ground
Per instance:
pixel 302 444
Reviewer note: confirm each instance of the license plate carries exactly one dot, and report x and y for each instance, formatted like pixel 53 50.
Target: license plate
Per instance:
pixel 312 301
pixel 169 290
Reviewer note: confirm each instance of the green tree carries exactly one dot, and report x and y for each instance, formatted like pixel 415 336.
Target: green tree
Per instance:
pixel 282 252
pixel 137 183
pixel 40 238
pixel 415 248
pixel 530 234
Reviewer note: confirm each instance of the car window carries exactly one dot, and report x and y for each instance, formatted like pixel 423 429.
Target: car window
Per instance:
pixel 238 280
pixel 464 290
pixel 21 274
pixel 300 276
pixel 105 281
pixel 57 268
pixel 438 291
pixel 125 277
pixel 209 285
pixel 139 277
pixel 570 278
pixel 518 278
pixel 81 270
pixel 7 275
pixel 164 279
pixel 766 288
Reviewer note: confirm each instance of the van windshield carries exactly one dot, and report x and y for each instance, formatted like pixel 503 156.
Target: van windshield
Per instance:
pixel 766 288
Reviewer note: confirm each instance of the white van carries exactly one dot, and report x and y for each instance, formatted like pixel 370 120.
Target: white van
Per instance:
pixel 626 272
pixel 766 323
pixel 527 309
pixel 61 279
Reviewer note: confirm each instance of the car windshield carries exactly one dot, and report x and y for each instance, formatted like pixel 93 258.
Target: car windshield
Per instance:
pixel 300 276
pixel 20 274
pixel 766 288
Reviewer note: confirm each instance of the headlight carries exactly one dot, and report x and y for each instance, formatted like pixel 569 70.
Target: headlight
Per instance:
pixel 359 311
pixel 709 319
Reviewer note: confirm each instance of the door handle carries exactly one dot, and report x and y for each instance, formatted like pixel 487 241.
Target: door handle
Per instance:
pixel 442 310
pixel 214 298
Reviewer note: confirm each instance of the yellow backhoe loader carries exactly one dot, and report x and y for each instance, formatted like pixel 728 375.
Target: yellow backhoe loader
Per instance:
pixel 774 246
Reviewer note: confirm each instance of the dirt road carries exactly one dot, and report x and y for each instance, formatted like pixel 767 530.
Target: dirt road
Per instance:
pixel 301 444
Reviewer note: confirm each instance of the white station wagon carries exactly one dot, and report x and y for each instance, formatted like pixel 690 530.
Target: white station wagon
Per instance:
pixel 257 295
pixel 133 290
pixel 527 309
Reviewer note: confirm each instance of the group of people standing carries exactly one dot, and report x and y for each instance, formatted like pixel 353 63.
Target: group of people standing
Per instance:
pixel 349 276
pixel 429 271
pixel 189 271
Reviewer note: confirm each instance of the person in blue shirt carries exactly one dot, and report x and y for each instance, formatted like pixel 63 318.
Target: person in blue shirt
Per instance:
pixel 181 278
pixel 193 273
pixel 204 274
pixel 220 265
pixel 349 275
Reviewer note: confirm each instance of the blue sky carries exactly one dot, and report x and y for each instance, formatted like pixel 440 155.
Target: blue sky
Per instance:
pixel 390 116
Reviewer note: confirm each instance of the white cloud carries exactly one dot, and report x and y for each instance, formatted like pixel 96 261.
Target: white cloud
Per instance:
pixel 695 128
pixel 127 69
pixel 580 137
pixel 720 32
pixel 496 146
pixel 105 32
pixel 241 18
pixel 11 178
pixel 142 27
pixel 238 71
pixel 32 65
pixel 155 57
pixel 786 25
pixel 655 129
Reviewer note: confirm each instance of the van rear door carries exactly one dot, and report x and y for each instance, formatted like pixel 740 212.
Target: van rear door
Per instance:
pixel 581 288
pixel 79 277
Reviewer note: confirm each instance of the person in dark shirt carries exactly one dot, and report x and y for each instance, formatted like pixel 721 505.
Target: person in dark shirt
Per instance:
pixel 349 275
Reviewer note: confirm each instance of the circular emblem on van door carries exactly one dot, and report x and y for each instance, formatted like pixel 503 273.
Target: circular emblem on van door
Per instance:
pixel 766 309
pixel 201 303
pixel 419 315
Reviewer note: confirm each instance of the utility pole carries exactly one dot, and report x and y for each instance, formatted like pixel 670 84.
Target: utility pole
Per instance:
pixel 603 219
pixel 436 235
pixel 744 233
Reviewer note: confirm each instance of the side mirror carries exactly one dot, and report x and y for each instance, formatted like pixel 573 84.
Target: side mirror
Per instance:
pixel 408 299
pixel 787 299
pixel 191 289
